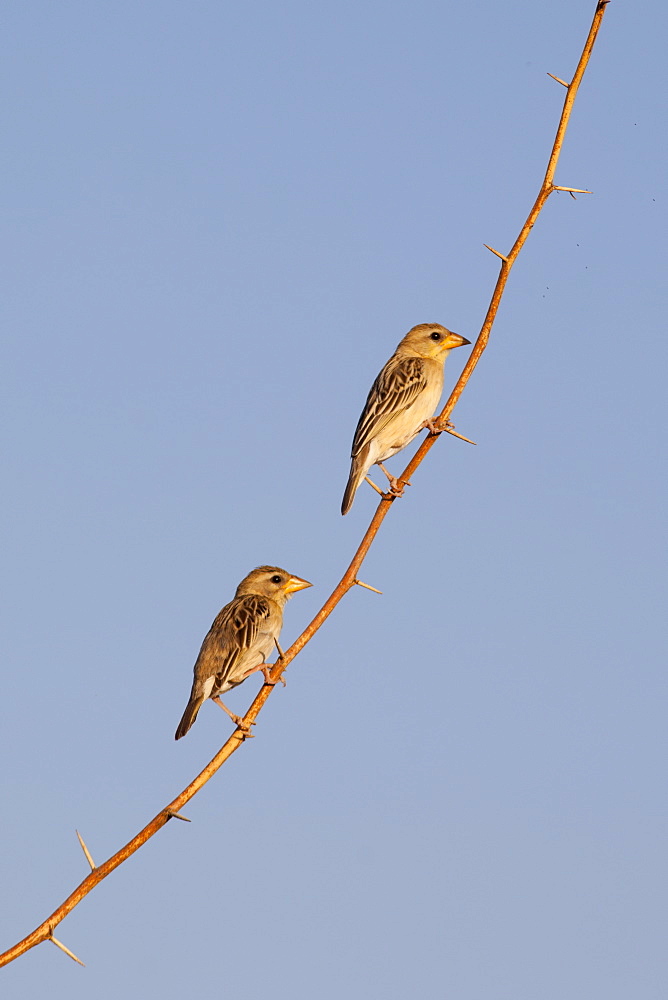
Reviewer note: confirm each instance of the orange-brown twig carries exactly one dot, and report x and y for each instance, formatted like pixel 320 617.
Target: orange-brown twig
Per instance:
pixel 349 579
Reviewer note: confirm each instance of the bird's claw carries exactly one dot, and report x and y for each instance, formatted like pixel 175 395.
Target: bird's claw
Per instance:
pixel 397 487
pixel 266 673
pixel 434 427
pixel 245 728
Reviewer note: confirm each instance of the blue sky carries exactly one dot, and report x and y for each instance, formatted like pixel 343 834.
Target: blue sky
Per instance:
pixel 219 221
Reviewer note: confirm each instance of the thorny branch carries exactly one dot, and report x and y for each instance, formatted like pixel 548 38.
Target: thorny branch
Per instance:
pixel 349 579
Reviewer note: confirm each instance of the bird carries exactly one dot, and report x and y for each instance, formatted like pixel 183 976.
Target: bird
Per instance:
pixel 243 634
pixel 401 402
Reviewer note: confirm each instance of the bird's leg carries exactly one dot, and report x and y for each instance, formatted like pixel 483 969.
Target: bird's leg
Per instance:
pixel 265 669
pixel 396 485
pixel 281 654
pixel 236 719
pixel 372 484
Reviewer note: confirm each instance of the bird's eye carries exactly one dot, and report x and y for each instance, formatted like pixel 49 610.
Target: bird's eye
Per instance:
pixel 277 579
pixel 435 335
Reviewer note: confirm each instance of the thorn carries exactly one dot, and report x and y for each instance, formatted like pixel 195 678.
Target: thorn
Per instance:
pixel 175 815
pixel 571 190
pixel 86 851
pixel 59 944
pixel 376 488
pixel 559 80
pixel 280 651
pixel 451 430
pixel 496 252
pixel 367 586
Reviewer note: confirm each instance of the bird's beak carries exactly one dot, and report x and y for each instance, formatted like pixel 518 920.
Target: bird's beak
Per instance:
pixel 296 583
pixel 454 340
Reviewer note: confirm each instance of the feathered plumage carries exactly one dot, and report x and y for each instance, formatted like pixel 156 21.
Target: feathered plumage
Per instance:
pixel 242 636
pixel 402 398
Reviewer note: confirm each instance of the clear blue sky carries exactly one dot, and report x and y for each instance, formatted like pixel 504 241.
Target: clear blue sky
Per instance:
pixel 218 222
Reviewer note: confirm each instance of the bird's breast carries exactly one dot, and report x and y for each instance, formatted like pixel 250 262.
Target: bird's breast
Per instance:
pixel 403 427
pixel 259 652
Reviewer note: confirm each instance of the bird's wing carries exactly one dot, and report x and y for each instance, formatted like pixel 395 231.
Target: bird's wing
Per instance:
pixel 400 382
pixel 233 633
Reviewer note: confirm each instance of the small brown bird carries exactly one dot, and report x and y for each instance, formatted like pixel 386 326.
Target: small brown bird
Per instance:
pixel 243 634
pixel 401 402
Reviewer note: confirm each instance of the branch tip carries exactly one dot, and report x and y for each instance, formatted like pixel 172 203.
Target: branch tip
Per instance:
pixel 367 586
pixel 496 252
pixel 559 80
pixel 86 851
pixel 59 944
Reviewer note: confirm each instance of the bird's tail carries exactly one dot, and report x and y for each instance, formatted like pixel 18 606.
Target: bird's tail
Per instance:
pixel 189 716
pixel 357 474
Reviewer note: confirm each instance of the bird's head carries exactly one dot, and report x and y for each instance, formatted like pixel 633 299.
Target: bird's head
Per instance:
pixel 273 582
pixel 430 340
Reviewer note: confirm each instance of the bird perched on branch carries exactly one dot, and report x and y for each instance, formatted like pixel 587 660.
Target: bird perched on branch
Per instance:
pixel 243 634
pixel 401 402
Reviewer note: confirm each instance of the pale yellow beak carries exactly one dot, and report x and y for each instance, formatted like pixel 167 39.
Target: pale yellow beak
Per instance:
pixel 454 340
pixel 296 583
